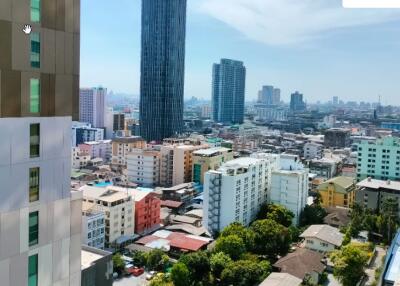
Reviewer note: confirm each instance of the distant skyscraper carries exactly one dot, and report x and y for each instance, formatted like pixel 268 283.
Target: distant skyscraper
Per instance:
pixel 277 96
pixel 335 100
pixel 269 95
pixel 296 102
pixel 229 78
pixel 162 68
pixel 92 106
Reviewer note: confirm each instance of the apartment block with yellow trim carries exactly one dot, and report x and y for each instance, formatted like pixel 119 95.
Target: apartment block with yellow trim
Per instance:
pixel 337 192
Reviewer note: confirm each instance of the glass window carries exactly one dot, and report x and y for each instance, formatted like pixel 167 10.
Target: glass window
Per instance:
pixel 34 180
pixel 35 50
pixel 33 228
pixel 34 140
pixel 34 102
pixel 35 11
pixel 33 270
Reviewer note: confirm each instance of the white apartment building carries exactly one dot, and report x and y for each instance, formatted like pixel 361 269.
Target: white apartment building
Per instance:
pixel 84 132
pixel 118 208
pixel 92 106
pixel 40 219
pixel 289 185
pixel 98 149
pixel 313 150
pixel 234 192
pixel 122 146
pixel 80 158
pixel 144 167
pixel 176 164
pixel 93 226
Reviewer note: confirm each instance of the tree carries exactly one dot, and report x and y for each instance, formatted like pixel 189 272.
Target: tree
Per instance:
pixel 313 214
pixel 231 245
pixel 118 262
pixel 390 218
pixel 349 263
pixel 278 213
pixel 139 258
pixel 157 260
pixel 271 238
pixel 198 264
pixel 219 261
pixel 241 231
pixel 245 273
pixel 161 280
pixel 180 274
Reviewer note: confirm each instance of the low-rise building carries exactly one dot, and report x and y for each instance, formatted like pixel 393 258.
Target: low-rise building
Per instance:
pixel 97 267
pixel 98 149
pixel 313 150
pixel 122 146
pixel 80 158
pixel 303 263
pixel 322 238
pixel 84 132
pixel 147 211
pixel 337 192
pixel 337 138
pixel 93 226
pixel 281 279
pixel 372 193
pixel 209 159
pixel 183 193
pixel 144 167
pixel 118 208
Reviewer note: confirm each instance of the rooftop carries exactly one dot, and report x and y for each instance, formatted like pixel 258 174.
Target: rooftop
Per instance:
pixel 325 233
pixel 392 272
pixel 127 140
pixel 211 151
pixel 281 279
pixel 343 184
pixel 90 255
pixel 243 162
pixel 379 184
pixel 108 194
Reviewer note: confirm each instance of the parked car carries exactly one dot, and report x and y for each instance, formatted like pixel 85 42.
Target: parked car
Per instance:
pixel 151 275
pixel 136 271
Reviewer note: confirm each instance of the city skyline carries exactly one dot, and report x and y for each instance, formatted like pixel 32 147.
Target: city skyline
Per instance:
pixel 319 63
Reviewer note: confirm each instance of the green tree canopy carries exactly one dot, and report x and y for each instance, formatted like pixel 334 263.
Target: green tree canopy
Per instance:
pixel 157 260
pixel 278 213
pixel 231 245
pixel 313 214
pixel 245 273
pixel 118 262
pixel 246 234
pixel 350 262
pixel 198 264
pixel 271 238
pixel 219 261
pixel 180 274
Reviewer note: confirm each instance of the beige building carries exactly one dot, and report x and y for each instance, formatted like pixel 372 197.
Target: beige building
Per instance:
pixel 322 238
pixel 118 207
pixel 80 158
pixel 122 146
pixel 176 164
pixel 209 159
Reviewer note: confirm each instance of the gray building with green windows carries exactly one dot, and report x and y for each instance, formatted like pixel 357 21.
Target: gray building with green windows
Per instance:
pixel 380 160
pixel 40 219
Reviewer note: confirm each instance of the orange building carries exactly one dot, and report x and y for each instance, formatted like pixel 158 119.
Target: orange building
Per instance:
pixel 147 211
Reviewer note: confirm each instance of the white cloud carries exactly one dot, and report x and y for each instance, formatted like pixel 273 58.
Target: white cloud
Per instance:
pixel 282 22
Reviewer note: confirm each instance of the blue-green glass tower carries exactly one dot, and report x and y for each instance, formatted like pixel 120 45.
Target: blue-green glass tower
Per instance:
pixel 162 68
pixel 228 91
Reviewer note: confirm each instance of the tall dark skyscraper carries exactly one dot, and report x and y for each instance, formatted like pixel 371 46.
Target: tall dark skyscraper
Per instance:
pixel 162 68
pixel 228 87
pixel 296 102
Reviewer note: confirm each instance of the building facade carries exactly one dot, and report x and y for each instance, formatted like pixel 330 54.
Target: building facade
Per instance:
pixel 93 227
pixel 297 103
pixel 84 132
pixel 162 68
pixel 40 224
pixel 209 159
pixel 234 192
pixel 97 267
pixel 313 150
pixel 380 160
pixel 80 158
pixel 122 146
pixel 177 164
pixel 143 166
pixel 289 185
pixel 271 113
pixel 337 138
pixel 118 208
pixel 147 211
pixel 338 192
pixel 92 106
pixel 228 91
pixel 118 122
pixel 98 149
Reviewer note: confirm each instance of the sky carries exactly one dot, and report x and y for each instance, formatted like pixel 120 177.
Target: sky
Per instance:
pixel 313 46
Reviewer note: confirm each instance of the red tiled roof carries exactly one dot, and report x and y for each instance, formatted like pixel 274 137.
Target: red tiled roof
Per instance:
pixel 171 204
pixel 179 240
pixel 147 239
